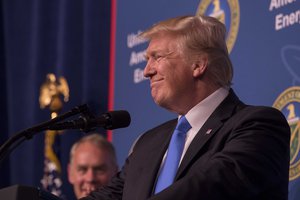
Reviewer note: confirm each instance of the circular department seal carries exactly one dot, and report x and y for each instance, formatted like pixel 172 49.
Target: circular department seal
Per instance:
pixel 288 103
pixel 228 12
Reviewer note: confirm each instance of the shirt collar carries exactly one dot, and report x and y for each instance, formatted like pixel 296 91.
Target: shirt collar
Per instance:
pixel 201 112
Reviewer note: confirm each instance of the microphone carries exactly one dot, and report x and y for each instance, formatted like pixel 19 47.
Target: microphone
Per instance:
pixel 110 120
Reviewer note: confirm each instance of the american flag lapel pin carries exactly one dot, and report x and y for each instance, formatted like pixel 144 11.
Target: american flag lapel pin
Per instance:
pixel 208 131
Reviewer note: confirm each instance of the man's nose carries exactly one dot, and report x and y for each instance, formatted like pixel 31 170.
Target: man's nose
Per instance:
pixel 90 175
pixel 149 69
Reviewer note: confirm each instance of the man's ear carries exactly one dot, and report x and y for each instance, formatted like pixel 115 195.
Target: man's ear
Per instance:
pixel 70 176
pixel 200 66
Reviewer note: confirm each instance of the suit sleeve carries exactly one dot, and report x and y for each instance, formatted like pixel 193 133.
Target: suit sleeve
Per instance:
pixel 113 191
pixel 252 161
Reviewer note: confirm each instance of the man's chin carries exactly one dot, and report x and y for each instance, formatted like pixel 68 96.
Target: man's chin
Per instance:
pixel 86 191
pixel 82 193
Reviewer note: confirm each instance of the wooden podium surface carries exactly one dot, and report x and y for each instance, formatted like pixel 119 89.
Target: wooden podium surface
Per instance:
pixel 21 192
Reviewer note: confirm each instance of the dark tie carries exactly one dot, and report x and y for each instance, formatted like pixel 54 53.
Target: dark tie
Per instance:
pixel 175 149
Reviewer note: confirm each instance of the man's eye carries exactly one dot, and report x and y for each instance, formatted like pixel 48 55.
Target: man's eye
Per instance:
pixel 157 57
pixel 100 170
pixel 81 170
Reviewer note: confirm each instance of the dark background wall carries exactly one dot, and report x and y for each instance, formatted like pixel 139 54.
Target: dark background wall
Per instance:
pixel 69 38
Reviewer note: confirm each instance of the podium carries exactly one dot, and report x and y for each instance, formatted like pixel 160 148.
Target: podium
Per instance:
pixel 21 192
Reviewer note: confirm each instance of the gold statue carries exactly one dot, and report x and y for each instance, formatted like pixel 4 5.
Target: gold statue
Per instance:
pixel 50 93
pixel 51 90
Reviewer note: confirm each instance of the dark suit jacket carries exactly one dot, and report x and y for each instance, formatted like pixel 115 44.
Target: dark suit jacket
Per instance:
pixel 244 156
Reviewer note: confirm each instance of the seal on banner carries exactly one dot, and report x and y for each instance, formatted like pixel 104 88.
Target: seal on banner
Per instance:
pixel 288 103
pixel 228 12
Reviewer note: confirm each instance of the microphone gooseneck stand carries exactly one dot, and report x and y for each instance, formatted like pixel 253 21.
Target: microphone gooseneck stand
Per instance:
pixel 27 134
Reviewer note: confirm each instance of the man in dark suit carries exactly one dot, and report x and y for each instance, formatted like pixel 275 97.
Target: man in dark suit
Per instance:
pixel 231 151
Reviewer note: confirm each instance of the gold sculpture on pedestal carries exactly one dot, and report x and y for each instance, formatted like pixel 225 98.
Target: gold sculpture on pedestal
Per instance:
pixel 51 92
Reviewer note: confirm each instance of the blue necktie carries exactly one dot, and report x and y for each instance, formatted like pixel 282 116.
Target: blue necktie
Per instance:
pixel 175 149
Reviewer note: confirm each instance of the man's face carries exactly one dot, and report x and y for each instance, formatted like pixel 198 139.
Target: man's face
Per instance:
pixel 171 75
pixel 90 168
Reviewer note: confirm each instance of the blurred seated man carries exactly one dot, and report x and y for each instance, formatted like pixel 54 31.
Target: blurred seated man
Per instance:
pixel 92 164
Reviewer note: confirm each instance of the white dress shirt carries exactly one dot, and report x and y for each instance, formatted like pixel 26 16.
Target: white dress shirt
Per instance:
pixel 198 115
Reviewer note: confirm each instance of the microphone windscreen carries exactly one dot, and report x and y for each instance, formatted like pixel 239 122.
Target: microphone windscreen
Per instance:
pixel 118 119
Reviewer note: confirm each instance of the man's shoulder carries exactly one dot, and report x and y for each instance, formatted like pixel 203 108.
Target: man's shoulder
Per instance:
pixel 164 127
pixel 260 110
pixel 263 114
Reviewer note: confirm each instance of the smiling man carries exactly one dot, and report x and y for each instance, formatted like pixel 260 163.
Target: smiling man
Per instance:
pixel 92 164
pixel 219 147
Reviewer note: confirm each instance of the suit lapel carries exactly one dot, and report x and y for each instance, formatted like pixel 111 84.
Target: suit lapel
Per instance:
pixel 210 128
pixel 151 165
pixel 206 132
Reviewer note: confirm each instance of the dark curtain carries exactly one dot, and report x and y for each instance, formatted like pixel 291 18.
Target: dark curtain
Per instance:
pixel 69 38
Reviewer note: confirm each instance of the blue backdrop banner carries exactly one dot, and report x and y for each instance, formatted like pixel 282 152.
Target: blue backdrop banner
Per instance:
pixel 263 40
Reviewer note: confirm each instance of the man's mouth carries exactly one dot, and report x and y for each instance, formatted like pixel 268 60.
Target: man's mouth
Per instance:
pixel 153 82
pixel 87 189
